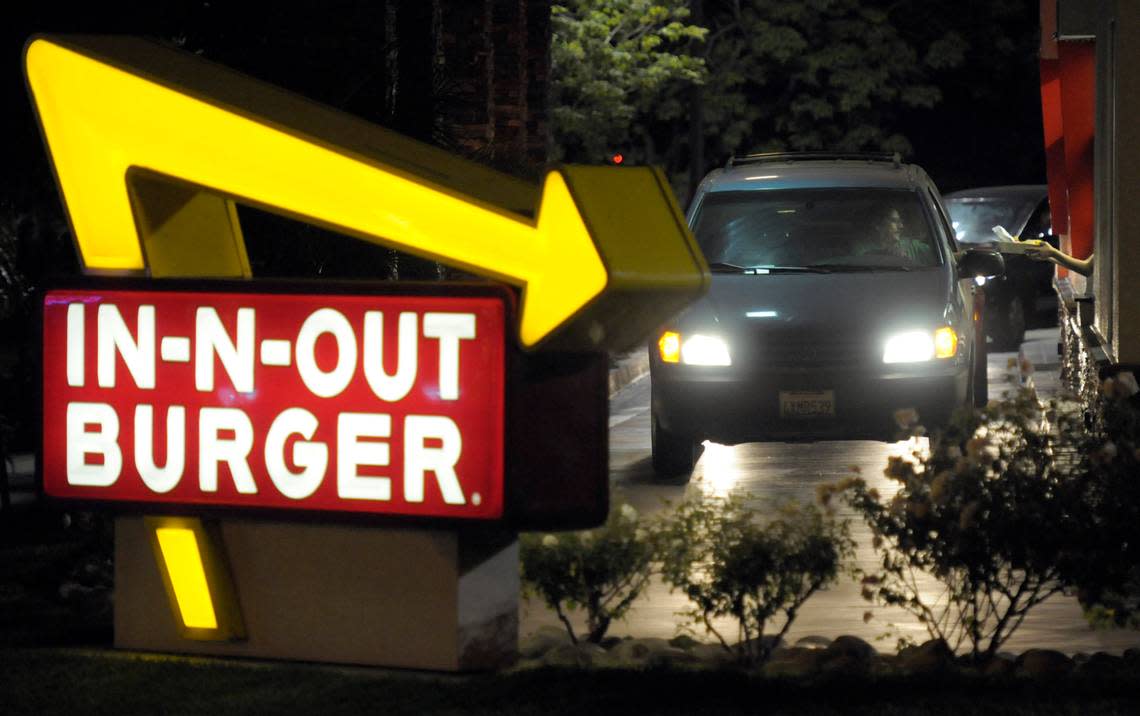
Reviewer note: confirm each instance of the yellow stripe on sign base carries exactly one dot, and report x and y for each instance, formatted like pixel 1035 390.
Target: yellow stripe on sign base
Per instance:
pixel 183 561
pixel 190 555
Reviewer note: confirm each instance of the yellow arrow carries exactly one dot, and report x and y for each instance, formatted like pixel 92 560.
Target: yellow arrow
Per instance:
pixel 138 134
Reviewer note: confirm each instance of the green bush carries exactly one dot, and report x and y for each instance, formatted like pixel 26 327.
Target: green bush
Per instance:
pixel 601 571
pixel 991 512
pixel 1107 573
pixel 730 564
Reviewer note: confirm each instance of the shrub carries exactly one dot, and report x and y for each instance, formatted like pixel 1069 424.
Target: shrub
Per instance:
pixel 729 564
pixel 601 571
pixel 991 512
pixel 1107 576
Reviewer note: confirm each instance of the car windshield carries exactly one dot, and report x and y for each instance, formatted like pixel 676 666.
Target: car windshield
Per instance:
pixel 974 218
pixel 812 229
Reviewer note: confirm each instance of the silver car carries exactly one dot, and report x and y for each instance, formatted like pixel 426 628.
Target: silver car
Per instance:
pixel 839 297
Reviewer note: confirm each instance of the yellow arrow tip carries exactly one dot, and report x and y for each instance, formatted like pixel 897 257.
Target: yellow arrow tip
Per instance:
pixel 569 271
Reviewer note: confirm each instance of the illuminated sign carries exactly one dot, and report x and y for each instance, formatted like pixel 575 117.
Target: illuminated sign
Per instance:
pixel 197 578
pixel 383 404
pixel 152 147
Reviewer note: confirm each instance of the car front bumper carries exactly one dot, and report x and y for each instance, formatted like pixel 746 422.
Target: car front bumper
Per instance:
pixel 725 406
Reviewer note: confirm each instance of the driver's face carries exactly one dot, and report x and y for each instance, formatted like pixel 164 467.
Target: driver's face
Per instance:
pixel 893 224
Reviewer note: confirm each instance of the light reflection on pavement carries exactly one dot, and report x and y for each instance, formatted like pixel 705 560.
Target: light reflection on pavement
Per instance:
pixel 776 472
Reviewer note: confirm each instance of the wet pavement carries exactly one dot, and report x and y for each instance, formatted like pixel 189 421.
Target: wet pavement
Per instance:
pixel 775 472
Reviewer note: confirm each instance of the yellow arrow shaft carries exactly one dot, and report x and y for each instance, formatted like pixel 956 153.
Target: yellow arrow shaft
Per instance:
pixel 231 154
pixel 103 120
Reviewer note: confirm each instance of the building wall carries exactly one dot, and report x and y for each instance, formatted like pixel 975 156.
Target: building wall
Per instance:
pixel 1123 245
pixel 496 57
pixel 1100 318
pixel 1101 282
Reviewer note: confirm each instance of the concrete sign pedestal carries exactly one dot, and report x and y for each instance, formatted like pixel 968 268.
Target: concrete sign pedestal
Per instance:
pixel 420 599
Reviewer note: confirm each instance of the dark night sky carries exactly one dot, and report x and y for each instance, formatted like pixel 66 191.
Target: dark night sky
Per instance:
pixel 964 141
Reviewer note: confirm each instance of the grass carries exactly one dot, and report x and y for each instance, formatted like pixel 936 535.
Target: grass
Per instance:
pixel 69 681
pixel 39 560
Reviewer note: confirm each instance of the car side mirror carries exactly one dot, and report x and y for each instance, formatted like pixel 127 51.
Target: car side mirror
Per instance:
pixel 981 263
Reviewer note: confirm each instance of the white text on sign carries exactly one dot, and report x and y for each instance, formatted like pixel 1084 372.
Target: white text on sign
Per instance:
pixel 294 402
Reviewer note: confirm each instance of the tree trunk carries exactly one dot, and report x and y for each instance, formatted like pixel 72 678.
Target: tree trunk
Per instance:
pixel 696 117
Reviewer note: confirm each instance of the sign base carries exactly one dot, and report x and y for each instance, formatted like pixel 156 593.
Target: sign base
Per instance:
pixel 420 599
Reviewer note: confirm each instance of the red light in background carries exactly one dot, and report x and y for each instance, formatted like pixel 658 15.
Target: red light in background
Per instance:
pixel 617 159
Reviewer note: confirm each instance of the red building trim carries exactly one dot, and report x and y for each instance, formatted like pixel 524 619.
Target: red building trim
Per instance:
pixel 1078 109
pixel 1054 126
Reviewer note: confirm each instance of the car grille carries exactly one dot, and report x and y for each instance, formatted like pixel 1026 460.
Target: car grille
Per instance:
pixel 819 353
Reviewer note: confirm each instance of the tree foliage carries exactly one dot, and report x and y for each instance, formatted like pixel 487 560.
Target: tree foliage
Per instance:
pixel 774 74
pixel 984 58
pixel 812 74
pixel 617 66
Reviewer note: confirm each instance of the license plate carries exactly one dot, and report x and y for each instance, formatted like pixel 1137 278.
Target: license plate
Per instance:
pixel 807 403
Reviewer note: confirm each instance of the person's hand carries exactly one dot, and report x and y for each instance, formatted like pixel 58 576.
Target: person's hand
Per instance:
pixel 1043 252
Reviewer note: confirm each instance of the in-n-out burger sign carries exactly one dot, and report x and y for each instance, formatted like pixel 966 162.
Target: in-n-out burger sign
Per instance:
pixel 350 403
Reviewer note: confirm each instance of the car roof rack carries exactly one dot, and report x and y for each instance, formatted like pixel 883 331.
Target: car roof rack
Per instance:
pixel 893 157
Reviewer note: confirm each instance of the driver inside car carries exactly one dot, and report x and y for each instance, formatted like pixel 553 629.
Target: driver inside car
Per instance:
pixel 887 239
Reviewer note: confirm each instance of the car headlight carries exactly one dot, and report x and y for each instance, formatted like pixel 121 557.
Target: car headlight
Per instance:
pixel 921 346
pixel 695 349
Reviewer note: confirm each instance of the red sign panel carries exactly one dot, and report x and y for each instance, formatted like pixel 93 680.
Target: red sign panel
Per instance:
pixel 338 403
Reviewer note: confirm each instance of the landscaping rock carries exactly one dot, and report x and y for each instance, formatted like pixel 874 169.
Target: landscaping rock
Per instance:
pixel 814 642
pixel 611 641
pixel 1000 666
pixel 713 655
pixel 634 653
pixel 770 643
pixel 574 655
pixel 672 656
pixel 541 641
pixel 684 641
pixel 638 651
pixel 1102 664
pixel 931 657
pixel 848 656
pixel 794 663
pixel 853 646
pixel 1043 664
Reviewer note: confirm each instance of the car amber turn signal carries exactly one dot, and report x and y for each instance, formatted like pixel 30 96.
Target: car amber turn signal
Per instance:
pixel 670 347
pixel 945 342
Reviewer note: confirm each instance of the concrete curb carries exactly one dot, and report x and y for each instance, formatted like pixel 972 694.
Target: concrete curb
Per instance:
pixel 1039 364
pixel 628 368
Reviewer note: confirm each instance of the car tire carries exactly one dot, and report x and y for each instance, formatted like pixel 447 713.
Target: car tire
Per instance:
pixel 673 455
pixel 1009 330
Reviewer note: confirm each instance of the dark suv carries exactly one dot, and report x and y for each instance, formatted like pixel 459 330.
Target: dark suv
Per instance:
pixel 839 297
pixel 1014 300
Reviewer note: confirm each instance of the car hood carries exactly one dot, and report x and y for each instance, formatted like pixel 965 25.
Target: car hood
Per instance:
pixel 844 307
